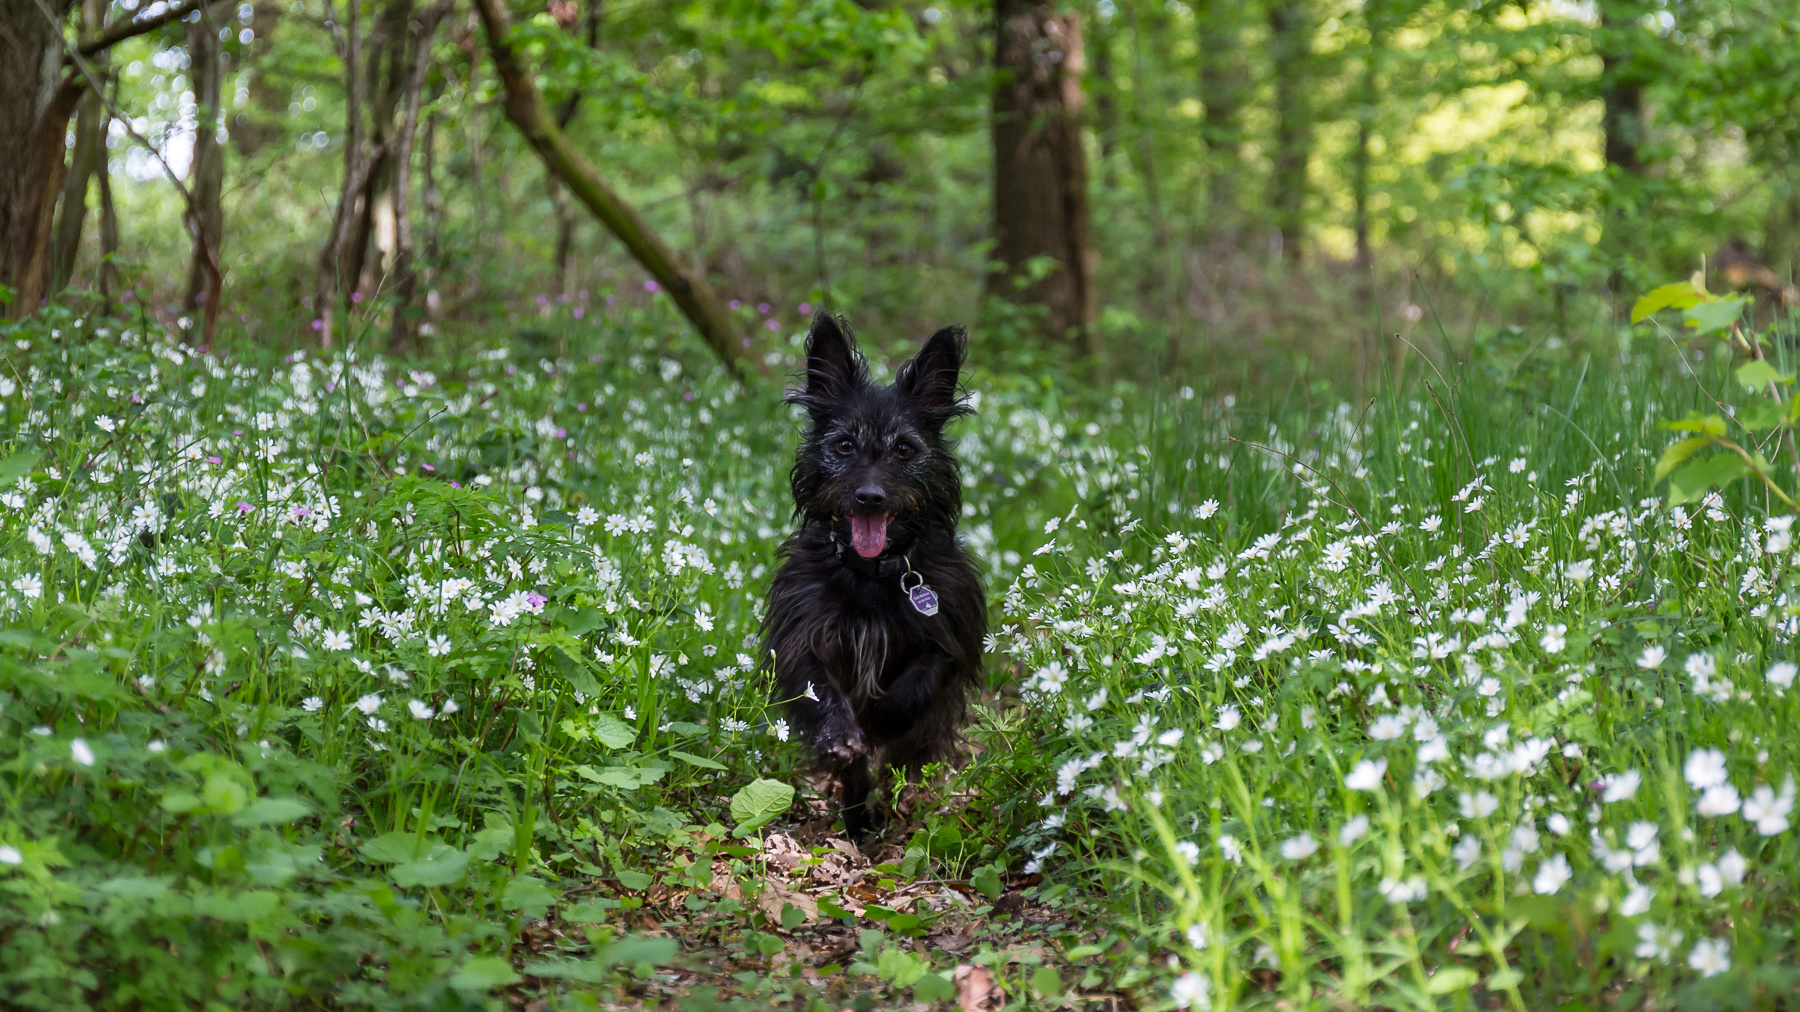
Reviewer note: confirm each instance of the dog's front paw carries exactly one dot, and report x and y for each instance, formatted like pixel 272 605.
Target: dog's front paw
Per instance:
pixel 839 752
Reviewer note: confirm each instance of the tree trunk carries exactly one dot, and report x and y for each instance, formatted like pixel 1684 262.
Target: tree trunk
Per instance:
pixel 36 101
pixel 1290 37
pixel 406 281
pixel 525 107
pixel 88 159
pixel 1366 100
pixel 109 234
pixel 1040 169
pixel 1621 87
pixel 1224 89
pixel 330 280
pixel 206 222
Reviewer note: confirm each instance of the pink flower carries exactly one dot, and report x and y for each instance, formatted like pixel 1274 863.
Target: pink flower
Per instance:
pixel 318 324
pixel 562 433
pixel 737 304
pixel 535 599
pixel 651 286
pixel 580 312
pixel 763 308
pixel 212 460
pixel 805 308
pixel 244 507
pixel 772 324
pixel 428 467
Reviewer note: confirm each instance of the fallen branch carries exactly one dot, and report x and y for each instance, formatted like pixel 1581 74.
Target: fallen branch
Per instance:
pixel 526 108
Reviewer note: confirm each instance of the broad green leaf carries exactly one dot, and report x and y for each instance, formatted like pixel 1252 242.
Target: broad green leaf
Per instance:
pixel 1712 317
pixel 1046 981
pixel 441 867
pixel 700 761
pixel 613 732
pixel 1706 425
pixel 986 880
pixel 18 466
pixel 635 879
pixel 136 887
pixel 1451 979
pixel 587 971
pixel 1675 454
pixel 1758 373
pixel 527 896
pixel 224 795
pixel 1680 294
pixel 249 905
pixel 271 812
pixel 1696 478
pixel 1759 415
pixel 395 847
pixel 1504 979
pixel 482 973
pixel 759 802
pixel 933 987
pixel 179 801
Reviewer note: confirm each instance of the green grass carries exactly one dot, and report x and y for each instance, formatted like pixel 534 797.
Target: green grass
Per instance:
pixel 431 685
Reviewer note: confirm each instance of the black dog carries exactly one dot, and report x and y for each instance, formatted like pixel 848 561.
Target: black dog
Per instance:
pixel 876 616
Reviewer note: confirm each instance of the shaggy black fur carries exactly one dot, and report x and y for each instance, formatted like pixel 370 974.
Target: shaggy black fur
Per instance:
pixel 889 681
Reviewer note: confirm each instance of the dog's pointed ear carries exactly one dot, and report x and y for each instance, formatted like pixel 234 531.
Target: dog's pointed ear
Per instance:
pixel 833 365
pixel 930 379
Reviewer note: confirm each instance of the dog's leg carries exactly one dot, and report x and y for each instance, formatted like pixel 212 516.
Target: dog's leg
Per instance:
pixel 892 714
pixel 860 817
pixel 826 720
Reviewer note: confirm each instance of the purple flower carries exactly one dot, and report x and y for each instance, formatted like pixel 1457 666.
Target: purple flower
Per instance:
pixel 355 297
pixel 456 484
pixel 302 511
pixel 562 433
pixel 772 324
pixel 687 395
pixel 237 432
pixel 543 300
pixel 580 312
pixel 212 460
pixel 428 467
pixel 535 599
pixel 763 308
pixel 582 407
pixel 651 286
pixel 805 308
pixel 318 325
pixel 612 300
pixel 244 507
pixel 746 342
pixel 736 304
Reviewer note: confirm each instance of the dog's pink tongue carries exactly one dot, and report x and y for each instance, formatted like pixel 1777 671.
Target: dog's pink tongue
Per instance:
pixel 869 534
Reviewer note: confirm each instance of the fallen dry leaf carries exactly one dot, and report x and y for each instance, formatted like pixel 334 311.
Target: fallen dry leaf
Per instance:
pixel 976 990
pixel 775 896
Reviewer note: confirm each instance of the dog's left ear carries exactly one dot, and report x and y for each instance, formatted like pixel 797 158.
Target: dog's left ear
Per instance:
pixel 930 378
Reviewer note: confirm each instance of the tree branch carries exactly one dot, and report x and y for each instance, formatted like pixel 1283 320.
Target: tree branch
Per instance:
pixel 525 107
pixel 132 29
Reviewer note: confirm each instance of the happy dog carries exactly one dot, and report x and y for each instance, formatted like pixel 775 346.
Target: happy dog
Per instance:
pixel 876 616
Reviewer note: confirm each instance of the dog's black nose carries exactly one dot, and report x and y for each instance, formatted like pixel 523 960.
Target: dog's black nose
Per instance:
pixel 870 495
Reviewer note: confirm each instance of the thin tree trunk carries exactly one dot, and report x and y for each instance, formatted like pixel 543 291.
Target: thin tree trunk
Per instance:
pixel 1366 100
pixel 207 224
pixel 525 107
pixel 109 232
pixel 434 213
pixel 356 169
pixel 88 159
pixel 1040 168
pixel 1290 36
pixel 406 282
pixel 565 235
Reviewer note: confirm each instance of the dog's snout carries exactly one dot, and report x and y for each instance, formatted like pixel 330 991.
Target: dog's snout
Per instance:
pixel 871 495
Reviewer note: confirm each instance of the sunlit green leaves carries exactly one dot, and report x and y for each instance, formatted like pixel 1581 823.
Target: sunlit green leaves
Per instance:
pixel 758 802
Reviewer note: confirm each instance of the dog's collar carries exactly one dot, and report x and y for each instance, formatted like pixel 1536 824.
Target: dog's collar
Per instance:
pixel 879 566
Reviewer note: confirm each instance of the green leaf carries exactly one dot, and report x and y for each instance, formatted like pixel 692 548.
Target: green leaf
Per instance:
pixel 482 973
pixel 177 802
pixel 634 949
pixel 250 905
pixel 1714 316
pixel 613 732
pixel 1675 454
pixel 18 466
pixel 635 880
pixel 1046 981
pixel 700 761
pixel 1504 979
pixel 224 795
pixel 792 916
pixel 272 812
pixel 1758 373
pixel 1760 415
pixel 933 987
pixel 1450 979
pixel 1696 478
pixel 527 896
pixel 441 867
pixel 759 802
pixel 986 880
pixel 1706 425
pixel 396 847
pixel 1680 294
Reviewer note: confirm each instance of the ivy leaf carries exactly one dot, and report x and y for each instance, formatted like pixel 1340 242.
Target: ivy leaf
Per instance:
pixel 759 802
pixel 1680 294
pixel 1676 454
pixel 1760 415
pixel 1707 425
pixel 527 896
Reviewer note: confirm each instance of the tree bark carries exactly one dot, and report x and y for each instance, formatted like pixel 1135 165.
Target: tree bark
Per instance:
pixel 330 279
pixel 1224 90
pixel 1361 159
pixel 88 160
pixel 1621 87
pixel 1040 169
pixel 526 108
pixel 406 281
pixel 1290 36
pixel 206 221
pixel 36 101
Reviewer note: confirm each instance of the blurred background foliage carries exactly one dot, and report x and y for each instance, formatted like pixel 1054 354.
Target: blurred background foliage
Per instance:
pixel 1265 183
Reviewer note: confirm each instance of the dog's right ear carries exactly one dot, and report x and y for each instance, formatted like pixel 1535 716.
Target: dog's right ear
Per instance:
pixel 833 366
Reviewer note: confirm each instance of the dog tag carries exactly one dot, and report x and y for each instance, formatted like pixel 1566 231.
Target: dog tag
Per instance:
pixel 924 599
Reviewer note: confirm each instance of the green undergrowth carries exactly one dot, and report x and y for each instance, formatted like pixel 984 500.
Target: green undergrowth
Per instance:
pixel 346 681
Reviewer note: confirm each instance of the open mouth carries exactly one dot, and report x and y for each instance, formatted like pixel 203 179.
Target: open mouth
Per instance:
pixel 868 533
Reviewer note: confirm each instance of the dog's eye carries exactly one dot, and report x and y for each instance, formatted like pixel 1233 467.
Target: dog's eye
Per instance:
pixel 903 449
pixel 846 446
